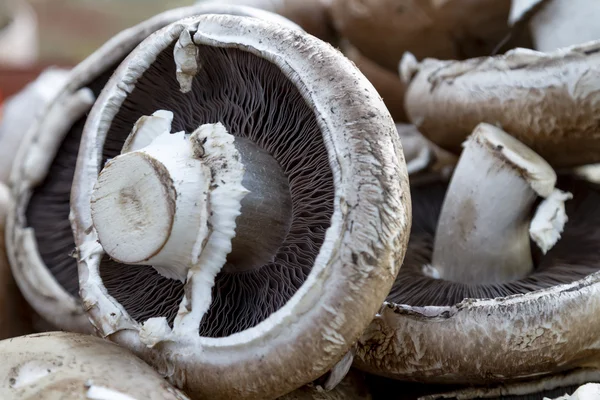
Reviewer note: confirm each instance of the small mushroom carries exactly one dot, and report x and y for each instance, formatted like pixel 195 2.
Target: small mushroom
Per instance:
pixel 555 24
pixel 383 30
pixel 274 217
pixel 40 243
pixel 518 92
pixel 18 33
pixel 475 302
pixel 61 365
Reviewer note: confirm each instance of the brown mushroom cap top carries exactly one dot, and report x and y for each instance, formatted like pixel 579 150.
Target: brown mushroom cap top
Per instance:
pixel 547 101
pixel 61 365
pixel 307 105
pixel 384 29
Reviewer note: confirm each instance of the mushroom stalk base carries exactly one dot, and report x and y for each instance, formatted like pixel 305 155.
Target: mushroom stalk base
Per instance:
pixel 483 230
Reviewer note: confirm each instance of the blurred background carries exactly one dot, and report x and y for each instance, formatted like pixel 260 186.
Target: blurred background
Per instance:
pixel 62 32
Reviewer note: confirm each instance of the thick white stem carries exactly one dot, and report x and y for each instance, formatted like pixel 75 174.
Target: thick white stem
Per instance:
pixel 484 227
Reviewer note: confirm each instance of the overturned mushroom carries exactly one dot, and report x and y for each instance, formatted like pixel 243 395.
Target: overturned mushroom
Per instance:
pixel 383 30
pixel 40 242
pixel 74 366
pixel 475 302
pixel 517 91
pixel 290 150
pixel 557 23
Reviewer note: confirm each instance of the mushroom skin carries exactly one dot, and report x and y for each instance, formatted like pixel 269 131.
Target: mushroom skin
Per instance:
pixel 387 83
pixel 43 141
pixel 504 339
pixel 20 111
pixel 516 91
pixel 557 23
pixel 312 15
pixel 363 246
pixel 383 30
pixel 352 387
pixel 61 365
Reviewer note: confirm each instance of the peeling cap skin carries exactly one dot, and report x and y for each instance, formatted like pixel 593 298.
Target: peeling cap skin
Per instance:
pixel 517 92
pixel 387 83
pixel 309 302
pixel 486 330
pixel 61 365
pixel 557 23
pixel 312 15
pixel 383 30
pixel 39 238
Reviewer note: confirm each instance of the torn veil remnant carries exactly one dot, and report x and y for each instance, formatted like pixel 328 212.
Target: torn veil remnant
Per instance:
pixel 275 307
pixel 40 244
pixel 516 91
pixel 486 309
pixel 73 366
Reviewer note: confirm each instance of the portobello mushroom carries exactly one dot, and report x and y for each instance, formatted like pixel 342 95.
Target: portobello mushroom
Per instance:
pixel 476 302
pixel 61 365
pixel 546 100
pixel 259 268
pixel 40 243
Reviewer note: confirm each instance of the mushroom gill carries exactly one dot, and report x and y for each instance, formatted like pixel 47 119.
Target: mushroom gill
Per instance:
pixel 267 114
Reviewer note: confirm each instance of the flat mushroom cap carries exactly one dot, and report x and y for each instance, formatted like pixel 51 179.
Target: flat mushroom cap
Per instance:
pixel 504 339
pixel 39 237
pixel 453 29
pixel 363 243
pixel 517 91
pixel 61 365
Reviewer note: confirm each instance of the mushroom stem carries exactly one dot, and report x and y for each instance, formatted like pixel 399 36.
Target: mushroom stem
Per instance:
pixel 484 226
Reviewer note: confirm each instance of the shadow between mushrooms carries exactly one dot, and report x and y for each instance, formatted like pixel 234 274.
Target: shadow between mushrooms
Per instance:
pixel 492 289
pixel 40 242
pixel 189 158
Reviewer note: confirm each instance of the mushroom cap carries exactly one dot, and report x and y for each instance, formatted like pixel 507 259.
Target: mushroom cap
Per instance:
pixel 547 101
pixel 387 83
pixel 362 249
pixel 312 15
pixel 61 365
pixel 504 339
pixel 56 133
pixel 452 29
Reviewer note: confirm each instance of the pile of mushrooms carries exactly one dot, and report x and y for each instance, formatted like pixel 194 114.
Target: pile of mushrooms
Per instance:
pixel 225 197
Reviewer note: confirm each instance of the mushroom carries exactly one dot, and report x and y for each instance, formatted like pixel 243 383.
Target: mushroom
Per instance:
pixel 18 33
pixel 475 302
pixel 383 30
pixel 40 242
pixel 588 391
pixel 557 23
pixel 274 215
pixel 312 15
pixel 68 366
pixel 20 111
pixel 352 387
pixel 518 92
